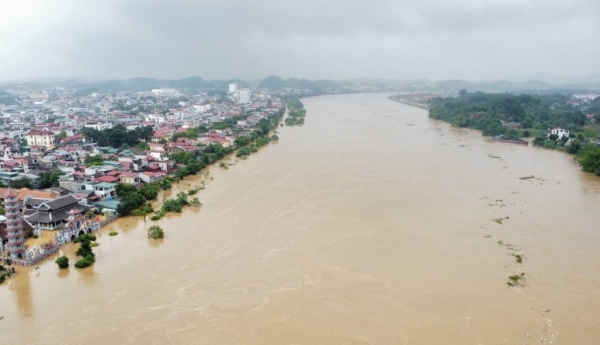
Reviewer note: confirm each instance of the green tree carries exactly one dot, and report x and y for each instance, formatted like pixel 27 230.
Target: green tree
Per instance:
pixel 143 146
pixel 155 232
pixel 150 190
pixel 241 141
pixel 22 182
pixel 62 262
pixel 60 136
pixel 85 250
pixel 49 179
pixel 166 183
pixel 589 159
pixel 94 160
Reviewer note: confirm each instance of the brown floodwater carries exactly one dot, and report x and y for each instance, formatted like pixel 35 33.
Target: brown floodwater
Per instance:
pixel 371 224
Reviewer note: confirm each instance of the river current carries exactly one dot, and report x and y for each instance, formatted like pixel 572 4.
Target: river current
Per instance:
pixel 370 224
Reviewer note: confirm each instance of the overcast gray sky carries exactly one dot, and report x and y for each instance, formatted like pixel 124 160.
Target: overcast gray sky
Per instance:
pixel 316 39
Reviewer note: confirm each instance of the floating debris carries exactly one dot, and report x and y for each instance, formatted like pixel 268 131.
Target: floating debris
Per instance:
pixel 499 220
pixel 526 177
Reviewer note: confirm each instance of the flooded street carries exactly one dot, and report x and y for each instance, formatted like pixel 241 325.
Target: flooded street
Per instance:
pixel 370 224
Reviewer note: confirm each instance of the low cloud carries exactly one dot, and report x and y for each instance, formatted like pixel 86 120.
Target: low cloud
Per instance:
pixel 315 39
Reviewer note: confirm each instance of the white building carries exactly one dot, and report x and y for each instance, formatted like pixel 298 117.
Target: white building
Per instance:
pixel 202 108
pixel 560 132
pixel 157 118
pixel 244 96
pixel 99 125
pixel 586 96
pixel 233 88
pixel 165 92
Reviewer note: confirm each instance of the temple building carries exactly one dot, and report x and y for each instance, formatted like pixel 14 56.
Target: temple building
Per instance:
pixel 52 214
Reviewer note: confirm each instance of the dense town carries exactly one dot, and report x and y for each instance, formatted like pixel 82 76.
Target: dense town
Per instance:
pixel 67 154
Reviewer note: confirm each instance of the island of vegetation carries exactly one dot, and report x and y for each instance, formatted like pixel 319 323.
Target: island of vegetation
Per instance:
pixel 556 121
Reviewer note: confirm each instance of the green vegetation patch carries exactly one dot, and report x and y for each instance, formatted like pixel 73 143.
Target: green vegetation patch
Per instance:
pixel 296 112
pixel 155 232
pixel 516 280
pixel 518 258
pixel 62 262
pixel 85 250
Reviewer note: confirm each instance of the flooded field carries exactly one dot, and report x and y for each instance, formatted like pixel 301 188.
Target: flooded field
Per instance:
pixel 371 224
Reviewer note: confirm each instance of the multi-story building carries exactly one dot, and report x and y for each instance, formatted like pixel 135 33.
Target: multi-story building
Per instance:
pixel 14 226
pixel 244 96
pixel 99 125
pixel 40 138
pixel 165 92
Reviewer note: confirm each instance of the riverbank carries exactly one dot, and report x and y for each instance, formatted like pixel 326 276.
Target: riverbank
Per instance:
pixel 417 101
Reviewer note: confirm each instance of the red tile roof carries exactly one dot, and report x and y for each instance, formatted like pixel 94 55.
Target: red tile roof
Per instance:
pixel 39 132
pixel 107 178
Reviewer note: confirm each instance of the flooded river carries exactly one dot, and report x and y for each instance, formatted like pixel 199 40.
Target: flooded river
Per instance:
pixel 371 224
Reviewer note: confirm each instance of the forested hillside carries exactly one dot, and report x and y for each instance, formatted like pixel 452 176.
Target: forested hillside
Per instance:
pixel 499 114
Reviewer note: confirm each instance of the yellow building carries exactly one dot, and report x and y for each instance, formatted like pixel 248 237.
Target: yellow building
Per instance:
pixel 40 138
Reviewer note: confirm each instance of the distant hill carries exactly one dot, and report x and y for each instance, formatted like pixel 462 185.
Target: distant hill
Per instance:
pixel 273 83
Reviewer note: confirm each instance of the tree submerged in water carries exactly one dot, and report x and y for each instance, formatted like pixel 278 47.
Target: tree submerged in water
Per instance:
pixel 85 250
pixel 155 232
pixel 62 262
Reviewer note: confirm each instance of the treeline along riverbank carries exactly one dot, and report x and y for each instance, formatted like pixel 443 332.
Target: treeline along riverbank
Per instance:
pixel 525 115
pixel 136 201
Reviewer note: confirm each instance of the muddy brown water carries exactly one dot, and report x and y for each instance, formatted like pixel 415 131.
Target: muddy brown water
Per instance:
pixel 371 224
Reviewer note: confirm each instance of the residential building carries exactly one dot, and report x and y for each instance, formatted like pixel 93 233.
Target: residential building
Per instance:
pixel 560 132
pixel 105 190
pixel 40 138
pixel 99 125
pixel 244 96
